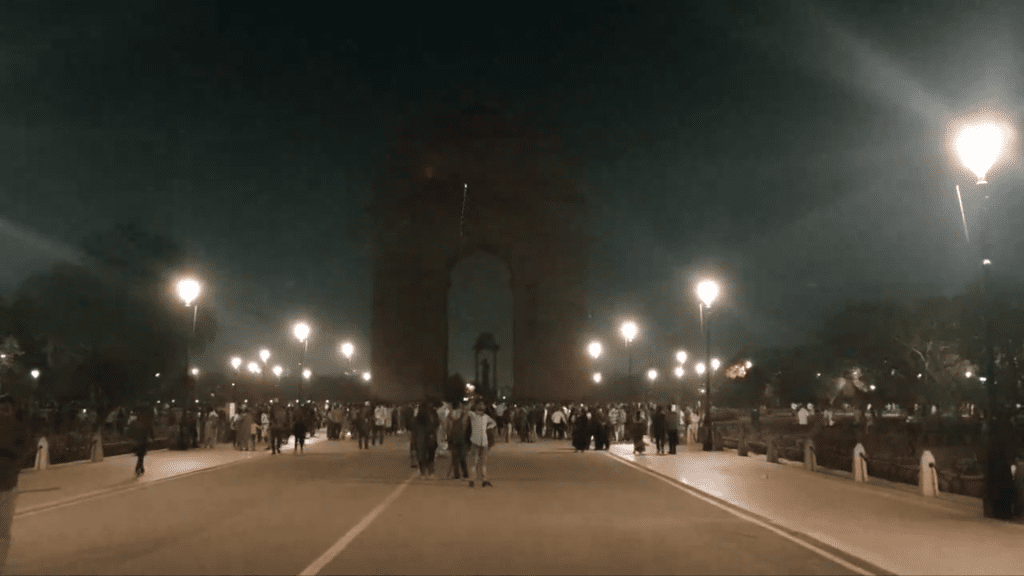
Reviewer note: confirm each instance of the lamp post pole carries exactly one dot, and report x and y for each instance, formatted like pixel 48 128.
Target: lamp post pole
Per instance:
pixel 979 146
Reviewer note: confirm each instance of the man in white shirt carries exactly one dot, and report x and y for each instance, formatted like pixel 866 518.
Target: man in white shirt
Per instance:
pixel 558 423
pixel 479 444
pixel 380 414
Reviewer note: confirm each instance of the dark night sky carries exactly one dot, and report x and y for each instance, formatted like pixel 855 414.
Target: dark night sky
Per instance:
pixel 796 151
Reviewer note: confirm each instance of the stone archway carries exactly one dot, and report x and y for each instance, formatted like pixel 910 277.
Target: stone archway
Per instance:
pixel 459 184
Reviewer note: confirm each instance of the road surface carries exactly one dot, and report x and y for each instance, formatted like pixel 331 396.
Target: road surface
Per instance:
pixel 339 510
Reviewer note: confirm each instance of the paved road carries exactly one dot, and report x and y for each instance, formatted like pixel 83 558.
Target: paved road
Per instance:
pixel 337 510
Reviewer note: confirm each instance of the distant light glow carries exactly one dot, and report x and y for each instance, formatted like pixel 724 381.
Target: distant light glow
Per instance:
pixel 306 373
pixel 979 147
pixel 188 290
pixel 254 368
pixel 968 374
pixel 236 362
pixel 629 331
pixel 195 371
pixel 597 377
pixel 347 349
pixel 715 363
pixel 366 376
pixel 35 374
pixel 707 291
pixel 681 356
pixel 264 355
pixel 679 372
pixel 652 374
pixel 700 368
pixel 594 349
pixel 278 370
pixel 301 331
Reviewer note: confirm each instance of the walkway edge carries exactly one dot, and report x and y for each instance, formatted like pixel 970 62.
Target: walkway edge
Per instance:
pixel 846 559
pixel 117 489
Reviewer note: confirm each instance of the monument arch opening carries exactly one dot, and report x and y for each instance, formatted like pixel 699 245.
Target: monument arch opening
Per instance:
pixel 448 188
pixel 480 323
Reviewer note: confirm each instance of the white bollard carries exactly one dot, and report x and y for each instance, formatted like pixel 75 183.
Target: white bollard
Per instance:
pixel 929 477
pixel 42 454
pixel 860 464
pixel 97 447
pixel 810 459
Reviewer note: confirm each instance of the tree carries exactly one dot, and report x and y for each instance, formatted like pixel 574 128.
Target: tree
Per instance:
pixel 114 315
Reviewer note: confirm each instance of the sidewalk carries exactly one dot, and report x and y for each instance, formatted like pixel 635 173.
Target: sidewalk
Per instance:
pixel 74 481
pixel 895 529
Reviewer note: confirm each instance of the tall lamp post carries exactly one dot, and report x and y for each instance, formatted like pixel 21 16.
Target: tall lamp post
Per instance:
pixel 681 357
pixel 188 291
pixel 628 331
pixel 347 350
pixel 301 331
pixel 652 375
pixel 707 291
pixel 236 363
pixel 979 146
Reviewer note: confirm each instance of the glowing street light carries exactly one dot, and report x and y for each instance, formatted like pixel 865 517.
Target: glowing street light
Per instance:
pixel 748 364
pixel 700 368
pixel 347 350
pixel 195 371
pixel 35 374
pixel 968 374
pixel 264 355
pixel 236 362
pixel 307 373
pixel 594 349
pixel 715 364
pixel 188 291
pixel 629 332
pixel 597 377
pixel 681 356
pixel 679 372
pixel 278 371
pixel 652 374
pixel 979 147
pixel 254 368
pixel 366 376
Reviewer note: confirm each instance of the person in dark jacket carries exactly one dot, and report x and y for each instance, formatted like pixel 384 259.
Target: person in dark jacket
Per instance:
pixel 581 433
pixel 427 422
pixel 140 432
pixel 658 429
pixel 15 451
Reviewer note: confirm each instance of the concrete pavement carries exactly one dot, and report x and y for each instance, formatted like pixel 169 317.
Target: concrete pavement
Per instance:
pixel 359 511
pixel 892 528
pixel 67 483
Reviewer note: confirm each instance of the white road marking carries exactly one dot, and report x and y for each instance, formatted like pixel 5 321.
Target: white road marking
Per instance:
pixel 689 489
pixel 355 531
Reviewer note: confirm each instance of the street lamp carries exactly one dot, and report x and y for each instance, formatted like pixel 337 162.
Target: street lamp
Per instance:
pixel 594 349
pixel 347 350
pixel 35 374
pixel 681 356
pixel 366 376
pixel 236 363
pixel 597 377
pixel 707 291
pixel 254 368
pixel 715 364
pixel 188 291
pixel 700 368
pixel 629 331
pixel 979 146
pixel 306 373
pixel 278 370
pixel 680 372
pixel 301 332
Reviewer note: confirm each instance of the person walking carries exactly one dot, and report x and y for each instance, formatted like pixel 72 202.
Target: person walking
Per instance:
pixel 658 429
pixel 481 439
pixel 243 429
pixel 141 431
pixel 15 451
pixel 427 423
pixel 380 415
pixel 457 427
pixel 299 430
pixel 672 429
pixel 210 430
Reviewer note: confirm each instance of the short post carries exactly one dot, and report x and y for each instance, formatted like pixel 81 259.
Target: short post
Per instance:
pixel 773 451
pixel 810 460
pixel 928 479
pixel 860 464
pixel 97 447
pixel 42 454
pixel 741 447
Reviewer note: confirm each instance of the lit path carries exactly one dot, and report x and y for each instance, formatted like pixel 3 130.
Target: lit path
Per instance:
pixel 340 510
